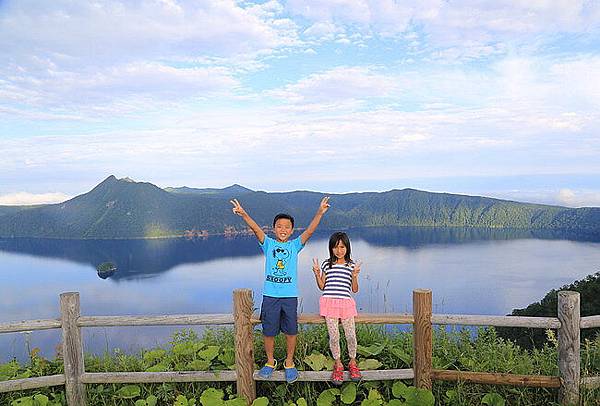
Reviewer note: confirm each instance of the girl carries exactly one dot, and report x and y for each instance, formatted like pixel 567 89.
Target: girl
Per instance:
pixel 337 278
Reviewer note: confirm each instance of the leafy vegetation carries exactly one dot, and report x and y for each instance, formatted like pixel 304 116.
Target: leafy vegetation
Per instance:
pixel 453 349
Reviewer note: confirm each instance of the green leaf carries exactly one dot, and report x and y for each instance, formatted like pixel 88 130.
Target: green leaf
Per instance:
pixel 23 375
pixel 227 357
pixel 327 397
pixel 374 394
pixel 160 367
pixel 209 353
pixel 418 397
pixel 493 399
pixel 329 363
pixel 184 349
pixel 369 363
pixel 151 400
pixel 40 400
pixel 9 370
pixel 374 399
pixel 212 397
pixel 25 401
pixel 301 402
pixel 152 357
pixel 316 361
pixel 199 365
pixel 181 401
pixel 373 349
pixel 399 389
pixel 395 402
pixel 262 401
pixel 128 392
pixel 348 395
pixel 140 402
pixel 236 402
pixel 403 355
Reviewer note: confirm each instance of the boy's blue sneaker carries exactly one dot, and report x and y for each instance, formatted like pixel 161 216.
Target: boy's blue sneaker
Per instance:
pixel 267 371
pixel 291 374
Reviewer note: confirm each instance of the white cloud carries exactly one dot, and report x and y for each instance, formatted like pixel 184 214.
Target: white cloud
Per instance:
pixel 572 198
pixel 339 84
pixel 323 29
pixel 109 31
pixel 93 53
pixel 385 17
pixel 25 198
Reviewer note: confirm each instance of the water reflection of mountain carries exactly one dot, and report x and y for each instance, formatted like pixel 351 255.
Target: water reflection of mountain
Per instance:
pixel 417 237
pixel 136 259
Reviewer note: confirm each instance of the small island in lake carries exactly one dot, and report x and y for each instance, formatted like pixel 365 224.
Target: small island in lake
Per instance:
pixel 106 269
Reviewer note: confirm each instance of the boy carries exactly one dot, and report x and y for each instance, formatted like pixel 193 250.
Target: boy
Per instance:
pixel 280 293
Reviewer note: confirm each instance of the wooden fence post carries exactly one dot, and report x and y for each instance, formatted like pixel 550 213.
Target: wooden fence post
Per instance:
pixel 568 347
pixel 422 339
pixel 244 343
pixel 72 349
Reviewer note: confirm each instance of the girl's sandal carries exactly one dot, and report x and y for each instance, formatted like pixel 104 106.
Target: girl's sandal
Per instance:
pixel 355 374
pixel 337 376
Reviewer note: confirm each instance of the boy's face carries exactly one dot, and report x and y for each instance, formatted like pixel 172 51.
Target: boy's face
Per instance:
pixel 283 229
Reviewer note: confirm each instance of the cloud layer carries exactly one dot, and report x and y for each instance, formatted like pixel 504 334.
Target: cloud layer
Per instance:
pixel 213 93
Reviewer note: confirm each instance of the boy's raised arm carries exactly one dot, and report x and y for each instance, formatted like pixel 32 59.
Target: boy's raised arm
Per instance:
pixel 323 207
pixel 239 210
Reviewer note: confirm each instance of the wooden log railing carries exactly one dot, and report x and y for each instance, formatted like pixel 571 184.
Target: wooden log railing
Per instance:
pixel 75 377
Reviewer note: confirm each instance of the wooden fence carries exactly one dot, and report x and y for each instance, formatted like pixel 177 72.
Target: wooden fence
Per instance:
pixel 75 377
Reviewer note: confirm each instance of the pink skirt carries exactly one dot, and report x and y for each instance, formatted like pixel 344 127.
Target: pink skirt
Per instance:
pixel 337 308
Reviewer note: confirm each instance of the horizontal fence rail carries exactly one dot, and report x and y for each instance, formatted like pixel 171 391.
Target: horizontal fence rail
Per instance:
pixel 590 322
pixel 325 376
pixel 497 321
pixel 168 320
pixel 32 383
pixel 491 378
pixel 75 377
pixel 30 325
pixel 158 377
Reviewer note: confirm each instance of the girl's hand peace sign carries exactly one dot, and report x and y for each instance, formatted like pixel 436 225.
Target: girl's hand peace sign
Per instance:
pixel 356 269
pixel 237 207
pixel 316 269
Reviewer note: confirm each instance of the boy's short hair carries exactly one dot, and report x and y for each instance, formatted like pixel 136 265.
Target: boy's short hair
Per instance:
pixel 283 216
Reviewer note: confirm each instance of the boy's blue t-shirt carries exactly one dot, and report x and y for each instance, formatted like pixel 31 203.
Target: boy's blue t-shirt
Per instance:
pixel 281 267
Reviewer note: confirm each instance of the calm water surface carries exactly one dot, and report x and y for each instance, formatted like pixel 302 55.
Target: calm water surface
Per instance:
pixel 469 272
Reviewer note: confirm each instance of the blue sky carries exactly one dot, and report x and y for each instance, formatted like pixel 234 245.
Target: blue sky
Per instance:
pixel 489 98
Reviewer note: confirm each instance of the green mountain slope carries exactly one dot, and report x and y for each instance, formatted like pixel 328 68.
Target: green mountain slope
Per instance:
pixel 125 209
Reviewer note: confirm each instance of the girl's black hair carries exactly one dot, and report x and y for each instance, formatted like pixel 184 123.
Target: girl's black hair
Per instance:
pixel 333 241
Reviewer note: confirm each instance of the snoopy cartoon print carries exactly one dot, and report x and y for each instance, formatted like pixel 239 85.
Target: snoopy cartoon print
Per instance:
pixel 281 255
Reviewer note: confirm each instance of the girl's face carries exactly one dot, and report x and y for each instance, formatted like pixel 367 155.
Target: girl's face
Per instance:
pixel 339 251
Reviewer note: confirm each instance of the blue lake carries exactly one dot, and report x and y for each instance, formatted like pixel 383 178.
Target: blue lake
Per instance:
pixel 470 271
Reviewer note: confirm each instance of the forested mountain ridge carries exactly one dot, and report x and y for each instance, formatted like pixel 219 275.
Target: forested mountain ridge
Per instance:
pixel 121 208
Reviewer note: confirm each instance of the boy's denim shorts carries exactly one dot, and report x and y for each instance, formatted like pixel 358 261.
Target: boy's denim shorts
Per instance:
pixel 279 314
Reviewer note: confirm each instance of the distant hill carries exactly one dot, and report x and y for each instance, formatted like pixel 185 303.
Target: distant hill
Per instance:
pixel 227 193
pixel 121 208
pixel 13 209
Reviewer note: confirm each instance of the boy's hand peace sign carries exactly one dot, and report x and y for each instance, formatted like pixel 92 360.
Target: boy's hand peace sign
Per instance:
pixel 324 205
pixel 237 207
